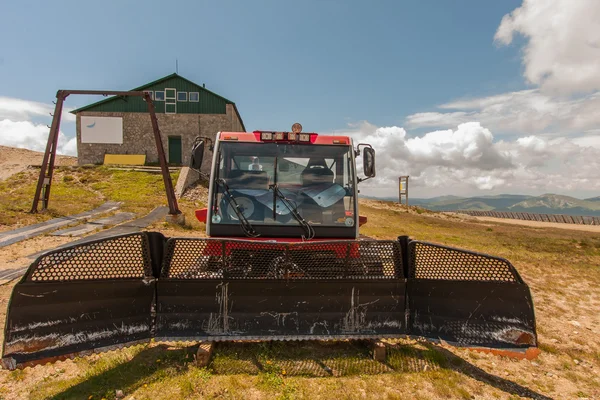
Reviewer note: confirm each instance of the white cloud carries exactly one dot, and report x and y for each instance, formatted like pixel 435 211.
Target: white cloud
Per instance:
pixel 562 50
pixel 23 125
pixel 555 142
pixel 22 110
pixel 27 135
pixel 470 146
pixel 591 140
pixel 466 161
pixel 69 148
pixel 525 111
pixel 561 57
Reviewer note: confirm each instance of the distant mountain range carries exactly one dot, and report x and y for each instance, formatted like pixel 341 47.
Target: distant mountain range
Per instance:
pixel 544 204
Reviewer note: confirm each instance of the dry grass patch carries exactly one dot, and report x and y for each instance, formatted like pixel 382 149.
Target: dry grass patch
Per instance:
pixel 78 189
pixel 561 267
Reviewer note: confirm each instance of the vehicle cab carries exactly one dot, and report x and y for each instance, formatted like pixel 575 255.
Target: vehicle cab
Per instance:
pixel 269 185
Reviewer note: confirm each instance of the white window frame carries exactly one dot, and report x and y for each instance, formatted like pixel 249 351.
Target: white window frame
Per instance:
pixel 197 97
pixel 163 96
pixel 151 93
pixel 170 103
pixel 171 98
pixel 186 96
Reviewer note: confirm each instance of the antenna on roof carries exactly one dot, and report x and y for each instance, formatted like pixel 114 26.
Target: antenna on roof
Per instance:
pixel 176 66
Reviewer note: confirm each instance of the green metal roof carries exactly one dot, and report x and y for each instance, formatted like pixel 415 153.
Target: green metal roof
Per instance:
pixel 209 102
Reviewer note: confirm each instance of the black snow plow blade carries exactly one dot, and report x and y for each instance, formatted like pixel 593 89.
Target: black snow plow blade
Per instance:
pixel 132 288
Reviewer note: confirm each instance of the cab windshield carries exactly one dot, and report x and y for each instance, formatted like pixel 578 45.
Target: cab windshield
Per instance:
pixel 316 180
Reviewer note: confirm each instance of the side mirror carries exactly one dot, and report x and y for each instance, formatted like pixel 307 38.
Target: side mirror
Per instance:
pixel 197 155
pixel 369 162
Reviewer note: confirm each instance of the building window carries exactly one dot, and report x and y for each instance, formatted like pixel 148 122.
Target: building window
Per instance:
pixel 159 95
pixel 150 93
pixel 181 96
pixel 170 94
pixel 170 107
pixel 195 97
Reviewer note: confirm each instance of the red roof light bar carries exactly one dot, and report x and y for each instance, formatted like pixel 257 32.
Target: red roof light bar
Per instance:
pixel 284 137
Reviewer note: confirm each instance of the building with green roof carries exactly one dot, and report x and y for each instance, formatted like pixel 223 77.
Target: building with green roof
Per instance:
pixel 185 110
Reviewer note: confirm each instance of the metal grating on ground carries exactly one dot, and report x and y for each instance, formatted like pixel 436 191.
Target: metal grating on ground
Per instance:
pixel 27 232
pixel 10 274
pixel 94 225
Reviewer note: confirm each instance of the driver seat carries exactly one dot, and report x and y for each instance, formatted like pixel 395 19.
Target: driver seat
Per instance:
pixel 316 172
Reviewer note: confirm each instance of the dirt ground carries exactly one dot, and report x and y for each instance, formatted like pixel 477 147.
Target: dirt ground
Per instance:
pixel 559 267
pixel 16 255
pixel 15 160
pixel 566 368
pixel 386 205
pixel 197 193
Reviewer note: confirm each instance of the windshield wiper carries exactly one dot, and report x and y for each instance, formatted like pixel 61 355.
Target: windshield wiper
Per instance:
pixel 310 232
pixel 244 223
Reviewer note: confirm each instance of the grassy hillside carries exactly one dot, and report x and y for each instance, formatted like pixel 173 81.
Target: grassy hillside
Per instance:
pixel 485 203
pixel 560 266
pixel 77 189
pixel 559 204
pixel 546 204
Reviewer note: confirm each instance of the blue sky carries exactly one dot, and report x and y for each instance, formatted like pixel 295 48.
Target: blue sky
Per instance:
pixel 468 97
pixel 323 63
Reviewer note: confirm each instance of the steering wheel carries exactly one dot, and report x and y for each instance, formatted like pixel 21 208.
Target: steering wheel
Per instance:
pixel 246 206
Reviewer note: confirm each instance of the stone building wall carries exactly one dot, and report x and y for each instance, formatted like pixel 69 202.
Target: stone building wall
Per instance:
pixel 236 124
pixel 138 137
